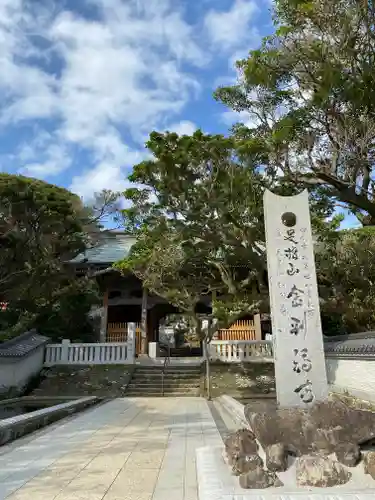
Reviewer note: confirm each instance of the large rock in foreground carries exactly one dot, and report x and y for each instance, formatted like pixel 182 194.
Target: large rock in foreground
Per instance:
pixel 369 463
pixel 259 478
pixel 321 429
pixel 320 471
pixel 242 452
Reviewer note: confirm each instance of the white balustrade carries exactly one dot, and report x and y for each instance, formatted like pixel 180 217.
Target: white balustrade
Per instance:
pixel 240 350
pixel 87 354
pixel 109 353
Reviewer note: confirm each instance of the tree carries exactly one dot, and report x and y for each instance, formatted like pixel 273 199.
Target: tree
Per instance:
pixel 198 218
pixel 41 227
pixel 199 226
pixel 203 231
pixel 346 274
pixel 199 222
pixel 308 95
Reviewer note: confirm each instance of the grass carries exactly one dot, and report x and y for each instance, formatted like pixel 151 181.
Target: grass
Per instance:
pixel 94 380
pixel 241 381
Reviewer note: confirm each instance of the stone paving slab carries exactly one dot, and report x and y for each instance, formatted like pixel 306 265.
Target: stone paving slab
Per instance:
pixel 128 449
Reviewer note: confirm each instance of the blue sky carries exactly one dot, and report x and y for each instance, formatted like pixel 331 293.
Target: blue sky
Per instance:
pixel 83 82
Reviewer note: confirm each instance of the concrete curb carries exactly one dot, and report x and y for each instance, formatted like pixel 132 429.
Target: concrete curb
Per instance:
pixel 214 479
pixel 15 427
pixel 235 409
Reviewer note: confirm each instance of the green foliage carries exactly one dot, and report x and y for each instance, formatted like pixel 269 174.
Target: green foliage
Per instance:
pixel 309 91
pixel 41 226
pixel 310 94
pixel 199 223
pixel 201 232
pixel 346 275
pixel 68 318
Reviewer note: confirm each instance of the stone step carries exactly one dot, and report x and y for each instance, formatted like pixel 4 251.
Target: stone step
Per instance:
pixel 170 378
pixel 178 361
pixel 169 369
pixel 154 388
pixel 159 394
pixel 178 381
pixel 134 385
pixel 150 380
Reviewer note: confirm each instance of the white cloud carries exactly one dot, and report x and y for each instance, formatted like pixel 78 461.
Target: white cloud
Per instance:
pixel 55 159
pixel 232 117
pixel 118 74
pixel 96 86
pixel 231 29
pixel 103 176
pixel 116 71
pixel 113 161
pixel 43 156
pixel 183 127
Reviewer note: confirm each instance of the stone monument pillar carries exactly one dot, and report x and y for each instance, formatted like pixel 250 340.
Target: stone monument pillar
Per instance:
pixel 300 370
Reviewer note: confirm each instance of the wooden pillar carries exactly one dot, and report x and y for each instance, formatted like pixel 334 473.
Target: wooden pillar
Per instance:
pixel 152 325
pixel 144 321
pixel 104 319
pixel 258 327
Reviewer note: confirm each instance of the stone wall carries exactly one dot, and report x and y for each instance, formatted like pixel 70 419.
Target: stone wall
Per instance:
pixel 350 363
pixel 21 359
pixel 356 376
pixel 16 373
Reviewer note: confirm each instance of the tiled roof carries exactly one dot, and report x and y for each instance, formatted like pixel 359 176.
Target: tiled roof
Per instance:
pixel 351 336
pixel 22 345
pixel 115 247
pixel 358 348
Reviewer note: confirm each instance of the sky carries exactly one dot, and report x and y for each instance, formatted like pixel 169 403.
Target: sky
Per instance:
pixel 84 82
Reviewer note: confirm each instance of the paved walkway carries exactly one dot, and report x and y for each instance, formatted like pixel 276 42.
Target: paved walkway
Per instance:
pixel 128 449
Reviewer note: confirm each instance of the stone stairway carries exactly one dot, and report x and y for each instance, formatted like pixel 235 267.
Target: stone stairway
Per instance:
pixel 182 380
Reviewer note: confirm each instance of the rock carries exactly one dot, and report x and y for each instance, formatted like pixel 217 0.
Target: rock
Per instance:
pixel 318 429
pixel 348 454
pixel 276 457
pixel 241 442
pixel 326 440
pixel 320 471
pixel 369 463
pixel 245 464
pixel 242 452
pixel 259 478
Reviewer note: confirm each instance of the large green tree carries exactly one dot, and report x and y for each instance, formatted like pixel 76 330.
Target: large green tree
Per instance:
pixel 41 227
pixel 308 98
pixel 198 221
pixel 198 217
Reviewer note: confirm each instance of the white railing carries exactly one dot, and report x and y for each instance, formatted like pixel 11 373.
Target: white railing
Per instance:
pixel 241 350
pixel 109 353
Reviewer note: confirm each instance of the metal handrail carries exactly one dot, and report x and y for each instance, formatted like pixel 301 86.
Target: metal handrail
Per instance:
pixel 167 360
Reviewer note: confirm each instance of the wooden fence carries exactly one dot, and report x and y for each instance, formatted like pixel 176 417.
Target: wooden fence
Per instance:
pixel 249 329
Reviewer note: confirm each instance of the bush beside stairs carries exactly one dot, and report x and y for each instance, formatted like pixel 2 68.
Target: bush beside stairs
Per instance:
pixel 178 381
